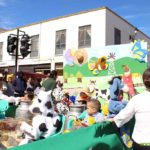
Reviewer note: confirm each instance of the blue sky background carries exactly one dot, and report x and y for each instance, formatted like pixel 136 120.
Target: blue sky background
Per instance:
pixel 16 13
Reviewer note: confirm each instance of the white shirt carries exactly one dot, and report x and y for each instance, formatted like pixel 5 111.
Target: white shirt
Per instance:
pixel 10 99
pixel 139 106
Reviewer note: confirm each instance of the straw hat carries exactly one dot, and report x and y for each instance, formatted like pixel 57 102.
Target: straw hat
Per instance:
pixel 83 95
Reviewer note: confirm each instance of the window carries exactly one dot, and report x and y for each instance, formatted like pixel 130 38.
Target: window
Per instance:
pixel 60 42
pixel 84 36
pixel 1 51
pixel 34 46
pixel 117 36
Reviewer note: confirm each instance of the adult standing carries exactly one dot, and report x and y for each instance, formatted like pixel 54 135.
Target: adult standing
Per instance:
pixel 19 85
pixel 138 106
pixel 50 83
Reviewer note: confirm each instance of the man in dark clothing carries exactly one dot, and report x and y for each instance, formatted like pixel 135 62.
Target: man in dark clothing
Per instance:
pixel 19 85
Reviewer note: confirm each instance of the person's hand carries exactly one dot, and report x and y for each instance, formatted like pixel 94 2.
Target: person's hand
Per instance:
pixel 110 120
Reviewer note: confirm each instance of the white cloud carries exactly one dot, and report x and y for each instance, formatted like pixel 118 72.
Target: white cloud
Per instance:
pixel 125 7
pixel 144 28
pixel 134 16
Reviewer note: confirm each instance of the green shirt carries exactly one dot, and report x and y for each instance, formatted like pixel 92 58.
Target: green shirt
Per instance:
pixel 49 84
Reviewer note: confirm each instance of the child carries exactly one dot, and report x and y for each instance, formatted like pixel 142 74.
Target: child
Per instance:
pixel 91 115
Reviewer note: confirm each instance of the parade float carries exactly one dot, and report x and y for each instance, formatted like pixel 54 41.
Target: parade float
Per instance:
pixel 92 69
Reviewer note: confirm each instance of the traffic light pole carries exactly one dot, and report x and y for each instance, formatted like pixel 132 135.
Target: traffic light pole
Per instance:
pixel 16 56
pixel 13 46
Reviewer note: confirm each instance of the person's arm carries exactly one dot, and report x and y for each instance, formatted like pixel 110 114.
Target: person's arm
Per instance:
pixel 125 114
pixel 10 99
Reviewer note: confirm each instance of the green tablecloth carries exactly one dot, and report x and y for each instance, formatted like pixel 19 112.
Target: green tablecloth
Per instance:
pixel 102 136
pixel 11 111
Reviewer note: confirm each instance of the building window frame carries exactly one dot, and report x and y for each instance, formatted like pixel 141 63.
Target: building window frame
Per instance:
pixel 1 51
pixel 117 36
pixel 34 46
pixel 60 42
pixel 84 36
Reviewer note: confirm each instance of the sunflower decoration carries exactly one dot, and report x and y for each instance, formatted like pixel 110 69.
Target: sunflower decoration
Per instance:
pixel 96 65
pixel 80 56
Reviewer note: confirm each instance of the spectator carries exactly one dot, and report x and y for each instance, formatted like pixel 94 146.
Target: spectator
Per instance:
pixel 19 85
pixel 50 83
pixel 29 83
pixel 10 91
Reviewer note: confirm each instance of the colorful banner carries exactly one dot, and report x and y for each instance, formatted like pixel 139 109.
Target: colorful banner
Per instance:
pixel 83 66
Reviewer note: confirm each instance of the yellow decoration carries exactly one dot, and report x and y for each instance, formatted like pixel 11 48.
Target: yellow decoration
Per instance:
pixel 66 131
pixel 91 120
pixel 95 71
pixel 105 109
pixel 91 66
pixel 77 122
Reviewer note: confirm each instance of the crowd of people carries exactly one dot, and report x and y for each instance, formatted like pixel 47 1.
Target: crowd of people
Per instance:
pixel 18 85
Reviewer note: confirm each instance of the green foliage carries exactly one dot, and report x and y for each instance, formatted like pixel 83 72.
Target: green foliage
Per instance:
pixel 79 74
pixel 65 75
pixel 134 65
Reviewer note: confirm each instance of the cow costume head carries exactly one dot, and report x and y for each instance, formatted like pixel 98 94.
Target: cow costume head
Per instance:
pixel 104 94
pixel 43 102
pixel 45 121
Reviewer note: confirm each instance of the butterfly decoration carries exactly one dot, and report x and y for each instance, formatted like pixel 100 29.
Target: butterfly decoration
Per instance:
pixel 138 52
pixel 96 65
pixel 69 57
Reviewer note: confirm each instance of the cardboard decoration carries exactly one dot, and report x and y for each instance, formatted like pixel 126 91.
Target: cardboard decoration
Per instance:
pixel 100 64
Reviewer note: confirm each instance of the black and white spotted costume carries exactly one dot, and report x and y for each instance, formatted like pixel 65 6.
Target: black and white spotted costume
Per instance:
pixel 45 121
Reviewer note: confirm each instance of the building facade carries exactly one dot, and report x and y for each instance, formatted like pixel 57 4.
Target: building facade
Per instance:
pixel 88 29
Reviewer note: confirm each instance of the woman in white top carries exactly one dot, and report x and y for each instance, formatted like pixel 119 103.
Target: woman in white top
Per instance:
pixel 138 106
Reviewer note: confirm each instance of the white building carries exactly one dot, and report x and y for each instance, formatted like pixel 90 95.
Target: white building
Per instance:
pixel 93 28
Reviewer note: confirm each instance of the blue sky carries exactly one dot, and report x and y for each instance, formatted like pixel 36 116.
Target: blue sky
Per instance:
pixel 16 13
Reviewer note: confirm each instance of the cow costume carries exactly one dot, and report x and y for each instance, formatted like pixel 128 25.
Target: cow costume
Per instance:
pixel 45 122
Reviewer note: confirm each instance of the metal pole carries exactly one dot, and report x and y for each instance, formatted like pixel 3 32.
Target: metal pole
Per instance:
pixel 16 56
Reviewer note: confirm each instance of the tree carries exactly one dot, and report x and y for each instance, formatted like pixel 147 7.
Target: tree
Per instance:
pixel 79 76
pixel 65 77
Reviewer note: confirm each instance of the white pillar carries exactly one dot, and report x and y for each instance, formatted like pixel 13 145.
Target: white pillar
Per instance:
pixel 52 64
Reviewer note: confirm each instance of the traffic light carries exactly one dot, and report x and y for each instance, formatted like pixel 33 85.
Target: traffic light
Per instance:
pixel 11 44
pixel 25 45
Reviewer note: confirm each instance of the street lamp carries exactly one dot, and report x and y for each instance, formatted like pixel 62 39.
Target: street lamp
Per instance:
pixel 132 36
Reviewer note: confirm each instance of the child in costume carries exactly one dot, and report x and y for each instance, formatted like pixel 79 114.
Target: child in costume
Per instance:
pixel 45 121
pixel 115 104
